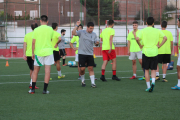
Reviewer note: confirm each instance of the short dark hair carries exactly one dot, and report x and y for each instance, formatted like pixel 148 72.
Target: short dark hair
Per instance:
pixel 34 25
pixel 110 22
pixel 63 30
pixel 135 22
pixel 54 25
pixel 81 26
pixel 90 24
pixel 44 18
pixel 150 20
pixel 164 24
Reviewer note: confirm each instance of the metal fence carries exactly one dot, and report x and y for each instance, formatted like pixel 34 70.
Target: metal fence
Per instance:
pixel 16 16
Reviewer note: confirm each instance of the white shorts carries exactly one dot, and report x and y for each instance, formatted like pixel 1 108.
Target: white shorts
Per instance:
pixel 46 60
pixel 76 58
pixel 134 55
pixel 178 61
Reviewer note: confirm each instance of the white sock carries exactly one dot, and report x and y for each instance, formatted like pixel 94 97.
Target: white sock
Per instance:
pixel 164 75
pixel 157 73
pixel 148 84
pixel 178 83
pixel 153 80
pixel 92 79
pixel 59 73
pixel 82 78
pixel 31 82
pixel 134 75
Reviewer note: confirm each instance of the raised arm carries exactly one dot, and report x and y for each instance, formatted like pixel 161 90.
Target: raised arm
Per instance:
pixel 74 30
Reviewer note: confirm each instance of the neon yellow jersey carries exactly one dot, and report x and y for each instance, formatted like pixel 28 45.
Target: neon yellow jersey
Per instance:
pixel 43 35
pixel 166 48
pixel 55 39
pixel 150 37
pixel 28 40
pixel 75 39
pixel 134 47
pixel 105 35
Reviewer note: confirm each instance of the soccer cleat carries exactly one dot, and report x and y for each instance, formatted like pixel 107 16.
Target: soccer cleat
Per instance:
pixel 116 78
pixel 147 90
pixel 93 86
pixel 79 78
pixel 152 87
pixel 143 78
pixel 175 88
pixel 31 87
pixel 65 65
pixel 103 78
pixel 45 92
pixel 157 78
pixel 31 91
pixel 133 77
pixel 62 76
pixel 83 84
pixel 95 78
pixel 164 80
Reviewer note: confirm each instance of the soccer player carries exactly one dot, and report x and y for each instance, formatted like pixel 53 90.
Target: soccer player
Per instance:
pixel 28 51
pixel 177 87
pixel 164 53
pixel 108 50
pixel 61 47
pixel 42 52
pixel 87 38
pixel 134 51
pixel 55 41
pixel 149 37
pixel 76 39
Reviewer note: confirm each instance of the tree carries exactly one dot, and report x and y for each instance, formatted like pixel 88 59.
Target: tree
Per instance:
pixel 106 9
pixel 168 8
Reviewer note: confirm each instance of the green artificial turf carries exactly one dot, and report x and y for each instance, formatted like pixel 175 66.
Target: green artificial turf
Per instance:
pixel 112 100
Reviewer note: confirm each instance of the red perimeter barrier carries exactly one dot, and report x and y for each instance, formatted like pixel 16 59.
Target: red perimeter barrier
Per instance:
pixel 120 51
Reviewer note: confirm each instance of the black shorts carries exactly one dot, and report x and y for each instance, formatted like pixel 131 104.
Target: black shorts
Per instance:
pixel 164 58
pixel 86 60
pixel 149 62
pixel 56 55
pixel 30 63
pixel 62 52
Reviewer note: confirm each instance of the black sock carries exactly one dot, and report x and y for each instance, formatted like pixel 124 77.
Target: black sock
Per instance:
pixel 45 86
pixel 114 75
pixel 33 85
pixel 63 61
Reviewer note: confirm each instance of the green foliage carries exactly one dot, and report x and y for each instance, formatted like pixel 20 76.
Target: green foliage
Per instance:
pixel 168 8
pixel 106 10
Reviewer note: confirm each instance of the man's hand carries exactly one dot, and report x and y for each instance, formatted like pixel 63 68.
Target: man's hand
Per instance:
pixel 33 56
pixel 78 23
pixel 56 46
pixel 134 33
pixel 137 39
pixel 75 49
pixel 110 50
pixel 128 53
pixel 97 43
pixel 24 57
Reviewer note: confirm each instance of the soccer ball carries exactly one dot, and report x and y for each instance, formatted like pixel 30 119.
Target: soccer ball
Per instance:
pixel 69 63
pixel 73 63
pixel 66 41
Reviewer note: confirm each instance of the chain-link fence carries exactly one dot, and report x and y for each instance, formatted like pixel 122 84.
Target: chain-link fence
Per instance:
pixel 16 16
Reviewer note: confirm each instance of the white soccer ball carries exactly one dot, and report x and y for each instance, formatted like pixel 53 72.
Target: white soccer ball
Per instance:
pixel 70 63
pixel 73 63
pixel 66 41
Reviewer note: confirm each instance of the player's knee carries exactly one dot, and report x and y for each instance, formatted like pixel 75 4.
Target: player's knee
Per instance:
pixel 134 62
